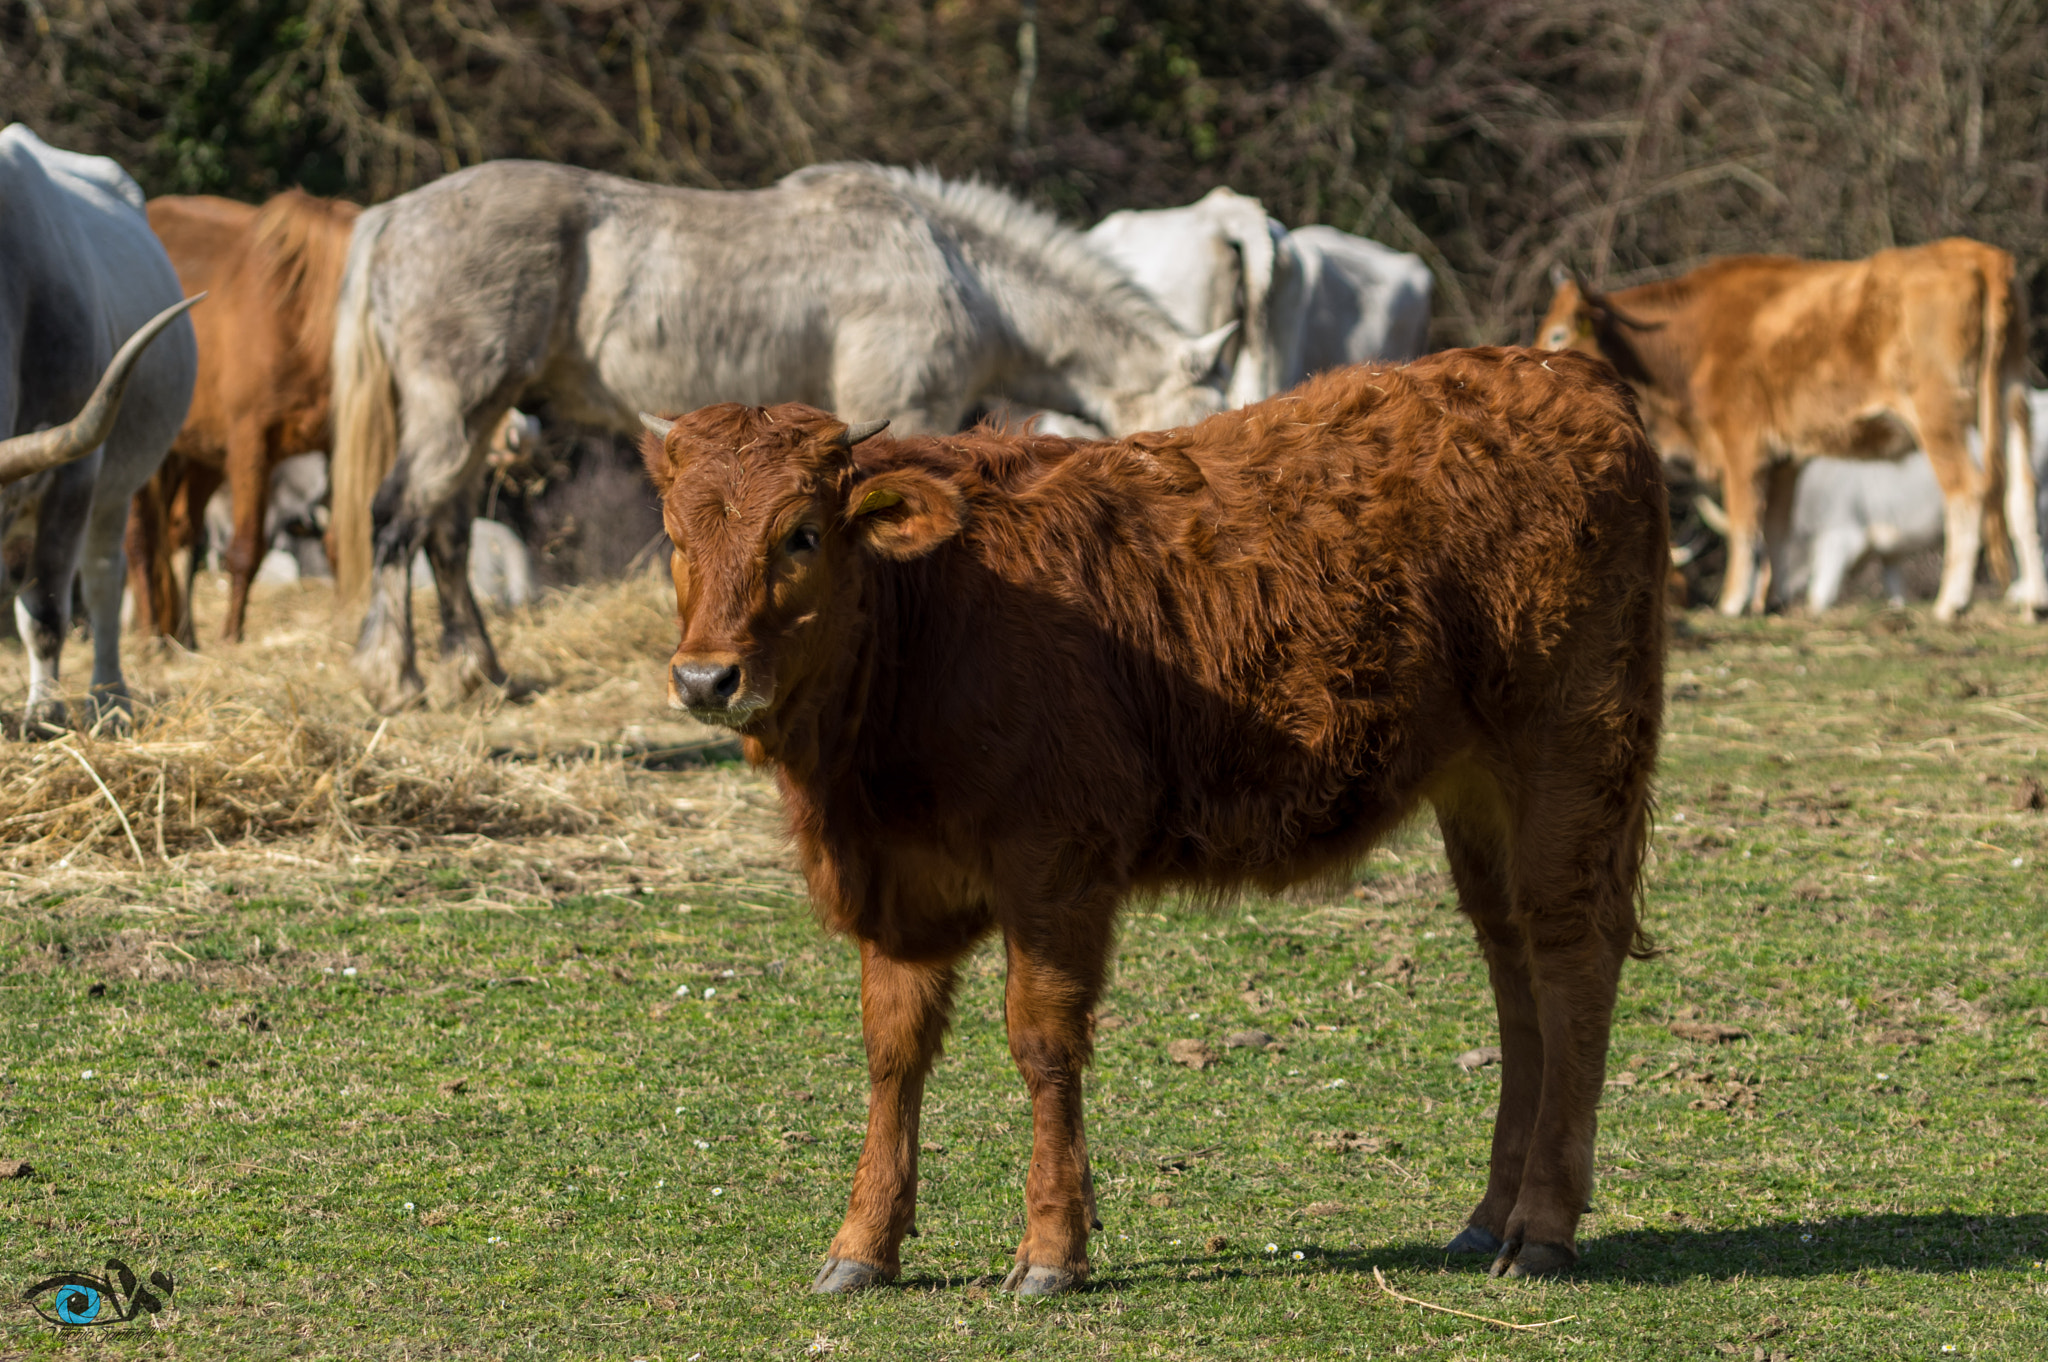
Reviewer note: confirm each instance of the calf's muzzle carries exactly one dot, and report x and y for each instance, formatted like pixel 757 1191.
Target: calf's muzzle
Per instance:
pixel 708 682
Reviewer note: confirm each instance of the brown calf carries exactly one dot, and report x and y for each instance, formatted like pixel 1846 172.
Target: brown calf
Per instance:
pixel 1758 357
pixel 1008 681
pixel 262 395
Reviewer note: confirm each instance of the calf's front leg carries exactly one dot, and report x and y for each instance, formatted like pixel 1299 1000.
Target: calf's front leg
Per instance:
pixel 904 1006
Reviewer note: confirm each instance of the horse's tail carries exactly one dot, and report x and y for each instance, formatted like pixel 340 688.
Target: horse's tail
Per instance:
pixel 365 419
pixel 1996 280
pixel 303 244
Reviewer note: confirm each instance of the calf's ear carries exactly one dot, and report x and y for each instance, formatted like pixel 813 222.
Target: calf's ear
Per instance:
pixel 904 513
pixel 654 451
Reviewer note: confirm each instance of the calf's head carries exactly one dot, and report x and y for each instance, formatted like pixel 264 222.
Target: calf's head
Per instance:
pixel 777 515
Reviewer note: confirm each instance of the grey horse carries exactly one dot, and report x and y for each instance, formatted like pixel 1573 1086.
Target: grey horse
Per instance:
pixel 90 403
pixel 874 292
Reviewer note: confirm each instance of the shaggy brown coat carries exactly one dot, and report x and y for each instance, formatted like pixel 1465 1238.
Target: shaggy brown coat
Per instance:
pixel 1007 682
pixel 1761 357
pixel 273 274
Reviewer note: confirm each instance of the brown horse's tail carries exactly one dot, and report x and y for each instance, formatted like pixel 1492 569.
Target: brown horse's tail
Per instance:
pixel 303 244
pixel 365 421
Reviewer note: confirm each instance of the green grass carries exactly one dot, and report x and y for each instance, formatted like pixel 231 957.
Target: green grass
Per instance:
pixel 1840 871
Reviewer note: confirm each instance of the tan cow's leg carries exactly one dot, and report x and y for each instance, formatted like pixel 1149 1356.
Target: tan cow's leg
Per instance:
pixel 904 1007
pixel 1963 485
pixel 1475 843
pixel 1056 974
pixel 1739 489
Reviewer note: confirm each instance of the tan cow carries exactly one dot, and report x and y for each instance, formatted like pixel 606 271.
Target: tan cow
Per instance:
pixel 1754 358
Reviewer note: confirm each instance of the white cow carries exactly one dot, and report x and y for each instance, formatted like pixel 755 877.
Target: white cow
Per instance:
pixel 294 520
pixel 1209 264
pixel 1348 300
pixel 1846 510
pixel 1305 301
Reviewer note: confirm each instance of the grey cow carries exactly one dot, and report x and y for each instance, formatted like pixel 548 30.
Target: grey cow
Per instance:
pixel 874 292
pixel 90 402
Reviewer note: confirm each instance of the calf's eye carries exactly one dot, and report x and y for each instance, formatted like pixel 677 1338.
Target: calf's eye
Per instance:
pixel 802 539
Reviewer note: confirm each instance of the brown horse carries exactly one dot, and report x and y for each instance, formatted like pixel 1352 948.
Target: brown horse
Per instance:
pixel 262 396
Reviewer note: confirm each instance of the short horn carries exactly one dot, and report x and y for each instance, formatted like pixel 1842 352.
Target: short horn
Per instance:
pixel 26 455
pixel 865 430
pixel 656 424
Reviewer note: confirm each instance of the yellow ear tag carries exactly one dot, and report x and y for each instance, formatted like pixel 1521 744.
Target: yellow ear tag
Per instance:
pixel 879 499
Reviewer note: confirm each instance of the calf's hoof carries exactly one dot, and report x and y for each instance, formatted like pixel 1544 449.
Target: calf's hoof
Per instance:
pixel 1027 1279
pixel 1475 1239
pixel 1518 1259
pixel 841 1275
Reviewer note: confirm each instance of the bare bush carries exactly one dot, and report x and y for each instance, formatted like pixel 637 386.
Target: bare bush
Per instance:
pixel 1630 138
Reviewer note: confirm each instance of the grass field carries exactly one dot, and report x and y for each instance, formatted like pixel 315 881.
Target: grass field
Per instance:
pixel 381 1091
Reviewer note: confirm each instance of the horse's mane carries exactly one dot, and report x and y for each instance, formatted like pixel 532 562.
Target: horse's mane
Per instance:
pixel 302 242
pixel 1033 233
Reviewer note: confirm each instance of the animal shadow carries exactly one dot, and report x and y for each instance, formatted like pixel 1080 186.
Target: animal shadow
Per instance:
pixel 1938 1242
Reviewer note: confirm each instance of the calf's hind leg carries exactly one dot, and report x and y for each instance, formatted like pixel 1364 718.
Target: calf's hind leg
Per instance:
pixel 1572 873
pixel 1474 824
pixel 904 1006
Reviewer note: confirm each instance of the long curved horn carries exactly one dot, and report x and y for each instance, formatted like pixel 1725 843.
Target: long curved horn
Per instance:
pixel 654 423
pixel 865 430
pixel 26 455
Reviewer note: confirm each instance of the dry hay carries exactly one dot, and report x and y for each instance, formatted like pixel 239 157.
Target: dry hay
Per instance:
pixel 269 742
pixel 211 768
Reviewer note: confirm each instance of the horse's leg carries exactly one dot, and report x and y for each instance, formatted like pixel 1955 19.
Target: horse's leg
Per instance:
pixel 188 516
pixel 248 465
pixel 149 572
pixel 431 470
pixel 1058 960
pixel 904 1007
pixel 464 640
pixel 1473 819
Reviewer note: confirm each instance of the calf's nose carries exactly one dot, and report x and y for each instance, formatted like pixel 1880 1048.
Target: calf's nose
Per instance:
pixel 706 685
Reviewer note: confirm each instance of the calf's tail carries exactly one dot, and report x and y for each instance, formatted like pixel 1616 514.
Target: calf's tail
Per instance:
pixel 365 419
